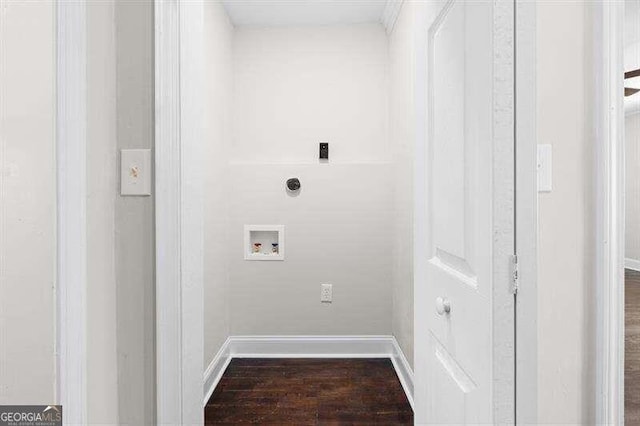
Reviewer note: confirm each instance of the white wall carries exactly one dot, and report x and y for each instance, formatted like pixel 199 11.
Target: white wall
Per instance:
pixel 134 216
pixel 566 227
pixel 632 170
pixel 120 230
pixel 402 138
pixel 338 231
pixel 27 202
pixel 102 181
pixel 218 34
pixel 295 87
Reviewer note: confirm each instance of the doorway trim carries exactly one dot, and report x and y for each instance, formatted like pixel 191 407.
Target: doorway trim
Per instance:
pixel 179 216
pixel 178 180
pixel 526 247
pixel 608 136
pixel 71 216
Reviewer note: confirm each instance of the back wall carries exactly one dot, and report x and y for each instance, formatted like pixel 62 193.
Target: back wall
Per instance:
pixel 295 87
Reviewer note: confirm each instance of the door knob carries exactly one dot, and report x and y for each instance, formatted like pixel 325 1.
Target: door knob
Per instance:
pixel 443 305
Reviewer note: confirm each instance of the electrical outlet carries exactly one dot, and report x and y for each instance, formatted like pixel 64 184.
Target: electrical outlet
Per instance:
pixel 325 293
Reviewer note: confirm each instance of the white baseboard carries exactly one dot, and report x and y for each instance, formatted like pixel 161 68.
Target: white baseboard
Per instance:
pixel 309 347
pixel 632 264
pixel 403 370
pixel 215 370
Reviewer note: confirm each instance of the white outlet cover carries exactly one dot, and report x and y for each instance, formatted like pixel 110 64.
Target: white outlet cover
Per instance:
pixel 326 291
pixel 135 172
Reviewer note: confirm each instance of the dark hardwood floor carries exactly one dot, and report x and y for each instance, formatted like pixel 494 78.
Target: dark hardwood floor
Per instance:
pixel 309 392
pixel 632 348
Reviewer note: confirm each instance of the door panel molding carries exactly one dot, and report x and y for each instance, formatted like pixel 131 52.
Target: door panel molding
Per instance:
pixel 456 372
pixel 455 266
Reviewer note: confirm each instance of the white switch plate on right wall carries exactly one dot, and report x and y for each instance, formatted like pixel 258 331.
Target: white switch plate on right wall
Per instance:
pixel 545 168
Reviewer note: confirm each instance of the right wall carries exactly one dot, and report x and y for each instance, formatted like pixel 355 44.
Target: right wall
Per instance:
pixel 632 199
pixel 566 233
pixel 632 138
pixel 402 137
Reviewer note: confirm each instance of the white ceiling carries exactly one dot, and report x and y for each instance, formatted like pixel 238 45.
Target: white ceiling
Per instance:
pixel 303 12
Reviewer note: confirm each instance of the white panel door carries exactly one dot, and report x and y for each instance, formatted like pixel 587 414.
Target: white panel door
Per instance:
pixel 465 216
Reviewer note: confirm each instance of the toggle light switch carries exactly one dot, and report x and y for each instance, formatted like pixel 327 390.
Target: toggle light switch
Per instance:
pixel 135 172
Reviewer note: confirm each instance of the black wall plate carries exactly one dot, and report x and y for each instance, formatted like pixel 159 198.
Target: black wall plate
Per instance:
pixel 324 150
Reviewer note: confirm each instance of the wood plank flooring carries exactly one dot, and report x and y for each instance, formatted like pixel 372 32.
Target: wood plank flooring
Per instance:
pixel 309 392
pixel 632 348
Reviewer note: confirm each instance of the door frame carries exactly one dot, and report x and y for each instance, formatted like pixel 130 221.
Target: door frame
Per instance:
pixel 179 280
pixel 607 20
pixel 179 211
pixel 71 210
pixel 526 232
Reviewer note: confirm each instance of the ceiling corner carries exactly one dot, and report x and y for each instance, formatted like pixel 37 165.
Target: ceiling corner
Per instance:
pixel 390 14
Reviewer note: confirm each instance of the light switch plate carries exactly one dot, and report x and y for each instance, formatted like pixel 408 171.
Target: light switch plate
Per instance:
pixel 135 172
pixel 545 168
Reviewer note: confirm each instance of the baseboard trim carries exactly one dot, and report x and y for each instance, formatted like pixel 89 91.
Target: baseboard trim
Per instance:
pixel 632 264
pixel 403 370
pixel 215 370
pixel 309 347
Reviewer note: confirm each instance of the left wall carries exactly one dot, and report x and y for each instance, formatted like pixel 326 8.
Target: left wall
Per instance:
pixel 121 309
pixel 134 217
pixel 27 202
pixel 120 230
pixel 102 363
pixel 218 35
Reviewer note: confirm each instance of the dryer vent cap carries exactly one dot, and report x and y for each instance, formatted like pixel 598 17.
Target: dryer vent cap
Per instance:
pixel 293 184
